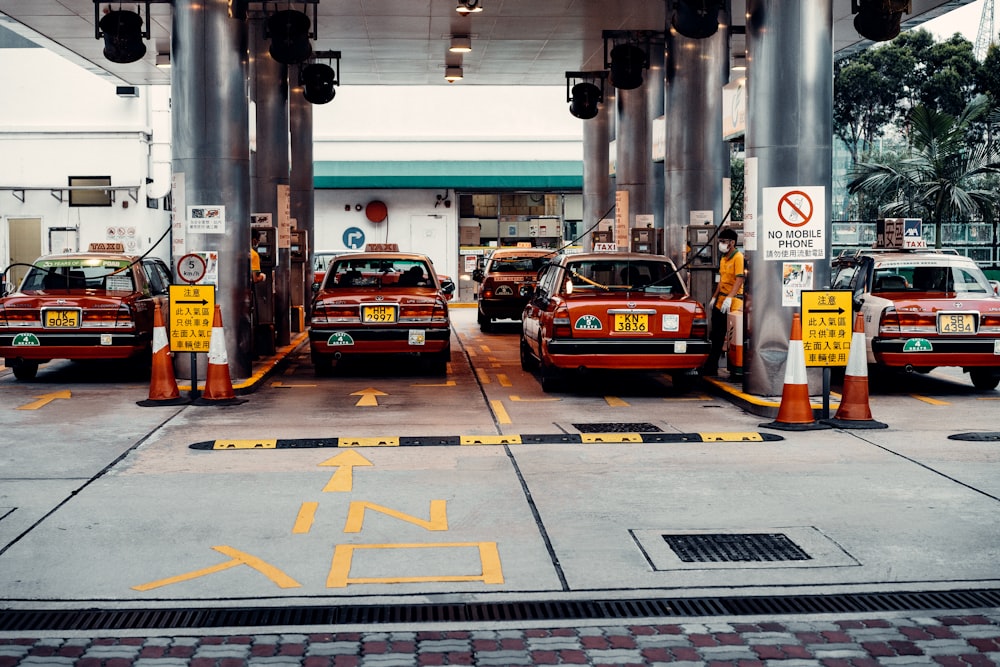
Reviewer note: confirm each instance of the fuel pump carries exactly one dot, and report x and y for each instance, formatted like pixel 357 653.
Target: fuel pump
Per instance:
pixel 262 294
pixel 702 260
pixel 297 278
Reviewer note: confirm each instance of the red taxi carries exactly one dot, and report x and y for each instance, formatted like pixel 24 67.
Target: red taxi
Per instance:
pixel 923 309
pixel 381 303
pixel 503 278
pixel 612 311
pixel 93 305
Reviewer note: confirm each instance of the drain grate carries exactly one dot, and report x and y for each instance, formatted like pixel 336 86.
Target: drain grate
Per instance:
pixel 734 547
pixel 976 437
pixel 38 620
pixel 618 427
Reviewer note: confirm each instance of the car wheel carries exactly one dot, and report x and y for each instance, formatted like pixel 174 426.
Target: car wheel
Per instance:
pixel 985 378
pixel 549 377
pixel 683 381
pixel 528 362
pixel 485 323
pixel 438 363
pixel 25 371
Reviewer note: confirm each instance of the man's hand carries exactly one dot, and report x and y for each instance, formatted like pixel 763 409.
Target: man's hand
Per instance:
pixel 727 304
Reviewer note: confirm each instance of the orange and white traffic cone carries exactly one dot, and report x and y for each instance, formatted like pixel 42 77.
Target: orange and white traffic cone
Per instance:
pixel 218 384
pixel 795 412
pixel 854 411
pixel 162 384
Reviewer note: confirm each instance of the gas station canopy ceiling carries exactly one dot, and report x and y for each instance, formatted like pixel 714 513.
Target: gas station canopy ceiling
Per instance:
pixel 405 42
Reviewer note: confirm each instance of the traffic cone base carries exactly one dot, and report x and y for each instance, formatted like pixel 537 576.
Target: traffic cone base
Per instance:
pixel 162 384
pixel 854 411
pixel 218 385
pixel 795 412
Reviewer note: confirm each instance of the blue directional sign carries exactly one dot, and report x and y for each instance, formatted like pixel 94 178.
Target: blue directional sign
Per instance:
pixel 354 238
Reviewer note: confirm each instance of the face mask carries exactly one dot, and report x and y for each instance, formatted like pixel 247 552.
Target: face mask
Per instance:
pixel 723 248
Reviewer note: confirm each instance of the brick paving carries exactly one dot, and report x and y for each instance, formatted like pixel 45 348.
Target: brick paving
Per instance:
pixel 951 641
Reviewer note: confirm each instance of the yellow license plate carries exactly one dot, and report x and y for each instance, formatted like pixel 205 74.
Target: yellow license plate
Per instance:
pixel 956 323
pixel 62 319
pixel 631 322
pixel 378 314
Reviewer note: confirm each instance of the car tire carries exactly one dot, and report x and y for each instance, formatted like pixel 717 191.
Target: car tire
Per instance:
pixel 485 323
pixel 25 371
pixel 528 362
pixel 549 377
pixel 437 363
pixel 985 379
pixel 683 381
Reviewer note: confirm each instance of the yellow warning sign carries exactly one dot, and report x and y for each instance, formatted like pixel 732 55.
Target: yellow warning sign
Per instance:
pixel 191 312
pixel 826 327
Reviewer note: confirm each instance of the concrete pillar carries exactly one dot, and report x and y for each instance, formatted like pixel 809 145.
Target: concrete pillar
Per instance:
pixel 635 159
pixel 697 158
pixel 597 197
pixel 789 132
pixel 211 153
pixel 269 89
pixel 654 87
pixel 300 115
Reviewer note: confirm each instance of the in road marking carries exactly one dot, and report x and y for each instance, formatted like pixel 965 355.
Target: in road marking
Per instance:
pixel 500 412
pixel 928 399
pixel 504 380
pixel 45 399
pixel 305 518
pixel 616 402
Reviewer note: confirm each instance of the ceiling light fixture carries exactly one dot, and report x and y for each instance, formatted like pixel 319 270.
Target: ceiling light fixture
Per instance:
pixel 469 7
pixel 696 19
pixel 460 44
pixel 879 20
pixel 453 73
pixel 319 80
pixel 122 32
pixel 628 55
pixel 585 95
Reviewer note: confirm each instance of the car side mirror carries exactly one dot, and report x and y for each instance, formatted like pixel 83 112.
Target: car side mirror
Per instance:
pixel 526 291
pixel 315 288
pixel 477 275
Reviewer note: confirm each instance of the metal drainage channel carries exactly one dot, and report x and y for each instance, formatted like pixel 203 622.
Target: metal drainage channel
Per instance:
pixel 552 610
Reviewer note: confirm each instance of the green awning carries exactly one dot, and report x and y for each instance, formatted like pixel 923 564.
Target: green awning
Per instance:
pixel 454 174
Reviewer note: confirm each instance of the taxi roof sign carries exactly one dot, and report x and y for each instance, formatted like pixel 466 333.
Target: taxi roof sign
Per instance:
pixel 107 246
pixel 382 247
pixel 900 234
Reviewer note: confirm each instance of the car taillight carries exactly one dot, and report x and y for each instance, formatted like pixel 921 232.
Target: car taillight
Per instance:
pixel 888 323
pixel 327 313
pixel 117 318
pixel 487 289
pixel 20 317
pixel 560 323
pixel 433 312
pixel 988 324
pixel 916 322
pixel 699 325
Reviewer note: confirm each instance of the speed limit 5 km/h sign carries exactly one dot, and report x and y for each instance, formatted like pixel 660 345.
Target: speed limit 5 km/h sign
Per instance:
pixel 191 268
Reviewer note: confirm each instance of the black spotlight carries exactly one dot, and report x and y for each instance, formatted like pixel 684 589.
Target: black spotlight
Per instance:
pixel 696 19
pixel 879 20
pixel 585 98
pixel 627 63
pixel 289 32
pixel 318 81
pixel 122 31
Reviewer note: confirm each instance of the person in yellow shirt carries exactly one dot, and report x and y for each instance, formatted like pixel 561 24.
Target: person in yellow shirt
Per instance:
pixel 728 296
pixel 256 274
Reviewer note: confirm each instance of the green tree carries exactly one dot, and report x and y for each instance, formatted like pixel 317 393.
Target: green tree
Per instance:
pixel 944 173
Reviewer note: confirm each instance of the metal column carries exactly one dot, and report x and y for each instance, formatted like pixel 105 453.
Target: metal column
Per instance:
pixel 269 87
pixel 211 152
pixel 789 131
pixel 300 114
pixel 697 157
pixel 597 199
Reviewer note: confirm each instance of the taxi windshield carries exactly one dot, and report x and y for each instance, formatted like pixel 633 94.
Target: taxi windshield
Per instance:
pixel 624 275
pixel 348 273
pixel 67 276
pixel 930 279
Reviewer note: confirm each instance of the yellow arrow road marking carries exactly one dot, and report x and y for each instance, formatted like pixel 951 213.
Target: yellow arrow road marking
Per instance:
pixel 369 397
pixel 343 479
pixel 45 399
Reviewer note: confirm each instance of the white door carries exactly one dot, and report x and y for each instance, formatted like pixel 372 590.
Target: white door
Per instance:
pixel 25 242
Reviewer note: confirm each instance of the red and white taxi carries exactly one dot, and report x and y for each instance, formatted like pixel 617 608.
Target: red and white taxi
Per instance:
pixel 381 303
pixel 620 311
pixel 93 305
pixel 923 309
pixel 506 279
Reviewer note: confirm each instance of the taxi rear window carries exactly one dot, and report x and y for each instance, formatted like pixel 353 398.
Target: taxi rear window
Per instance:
pixel 345 273
pixel 517 264
pixel 65 276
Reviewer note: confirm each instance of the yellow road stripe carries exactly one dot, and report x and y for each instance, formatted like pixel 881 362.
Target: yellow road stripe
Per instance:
pixel 504 380
pixel 616 402
pixel 449 383
pixel 500 412
pixel 928 399
pixel 611 437
pixel 483 376
pixel 518 399
pixel 305 518
pixel 392 441
pixel 491 440
pixel 245 444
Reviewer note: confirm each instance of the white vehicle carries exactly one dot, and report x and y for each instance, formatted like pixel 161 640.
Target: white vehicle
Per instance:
pixel 923 309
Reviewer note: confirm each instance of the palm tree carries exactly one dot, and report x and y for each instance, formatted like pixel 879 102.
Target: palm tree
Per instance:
pixel 943 173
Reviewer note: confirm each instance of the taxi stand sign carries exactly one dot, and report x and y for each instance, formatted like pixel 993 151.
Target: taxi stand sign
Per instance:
pixel 192 309
pixel 826 326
